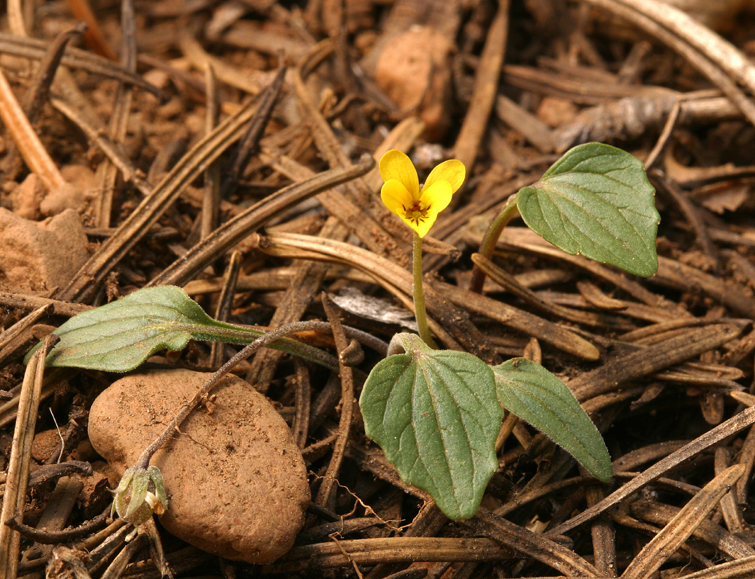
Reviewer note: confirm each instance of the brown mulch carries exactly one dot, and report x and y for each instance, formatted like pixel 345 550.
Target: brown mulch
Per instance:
pixel 188 105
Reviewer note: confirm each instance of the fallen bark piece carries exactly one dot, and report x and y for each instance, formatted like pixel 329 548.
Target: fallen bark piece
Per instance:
pixel 236 481
pixel 40 256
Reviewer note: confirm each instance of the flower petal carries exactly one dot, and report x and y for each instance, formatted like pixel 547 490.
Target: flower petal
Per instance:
pixel 452 171
pixel 435 198
pixel 396 165
pixel 423 227
pixel 395 197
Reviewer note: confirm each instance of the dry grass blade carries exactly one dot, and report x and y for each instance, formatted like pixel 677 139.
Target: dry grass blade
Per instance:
pixel 533 545
pixel 708 531
pixel 690 212
pixel 681 527
pixel 646 361
pixel 486 84
pixel 393 278
pixel 527 239
pixel 325 495
pixel 388 550
pixel 225 304
pixel 525 322
pixel 398 281
pixel 31 148
pixel 95 36
pixel 110 148
pixel 528 495
pixel 509 283
pixel 16 17
pixel 20 460
pixel 665 23
pixel 153 206
pixel 214 245
pixel 38 93
pixel 735 424
pixel 123 558
pixel 226 73
pixel 677 274
pixel 712 45
pixel 739 569
pixel 107 172
pixel 732 514
pixel 389 275
pixel 31 302
pixel 603 534
pixel 35 49
pixel 29 320
pixel 250 141
pixel 373 213
pixel 212 181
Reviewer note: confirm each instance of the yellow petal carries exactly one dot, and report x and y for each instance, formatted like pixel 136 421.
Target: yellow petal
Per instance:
pixel 396 165
pixel 436 197
pixel 423 227
pixel 452 171
pixel 395 197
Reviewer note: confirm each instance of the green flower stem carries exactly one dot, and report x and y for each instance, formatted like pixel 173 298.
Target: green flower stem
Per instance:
pixel 420 313
pixel 487 247
pixel 143 462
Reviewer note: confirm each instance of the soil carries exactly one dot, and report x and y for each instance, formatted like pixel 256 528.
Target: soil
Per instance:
pixel 183 143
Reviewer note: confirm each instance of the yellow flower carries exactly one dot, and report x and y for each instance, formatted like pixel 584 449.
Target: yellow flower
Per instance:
pixel 401 192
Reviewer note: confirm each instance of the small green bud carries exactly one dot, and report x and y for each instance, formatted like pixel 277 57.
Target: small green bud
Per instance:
pixel 140 494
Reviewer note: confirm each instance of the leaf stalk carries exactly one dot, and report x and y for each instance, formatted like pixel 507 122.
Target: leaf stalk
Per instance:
pixel 492 235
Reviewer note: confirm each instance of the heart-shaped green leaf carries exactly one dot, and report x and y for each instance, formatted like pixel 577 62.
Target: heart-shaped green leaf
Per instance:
pixel 596 201
pixel 537 396
pixel 436 416
pixel 119 336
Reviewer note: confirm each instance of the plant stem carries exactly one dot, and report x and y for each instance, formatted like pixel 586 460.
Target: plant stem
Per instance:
pixel 420 313
pixel 187 408
pixel 238 334
pixel 506 214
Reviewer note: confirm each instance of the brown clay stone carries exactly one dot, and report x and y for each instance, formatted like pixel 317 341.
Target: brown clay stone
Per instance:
pixel 236 482
pixel 80 186
pixel 414 71
pixel 46 444
pixel 40 256
pixel 27 196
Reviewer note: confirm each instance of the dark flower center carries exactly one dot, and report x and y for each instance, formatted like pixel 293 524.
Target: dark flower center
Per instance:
pixel 415 212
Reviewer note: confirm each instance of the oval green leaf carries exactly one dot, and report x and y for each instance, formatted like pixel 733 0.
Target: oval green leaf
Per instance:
pixel 436 416
pixel 119 336
pixel 596 201
pixel 537 396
